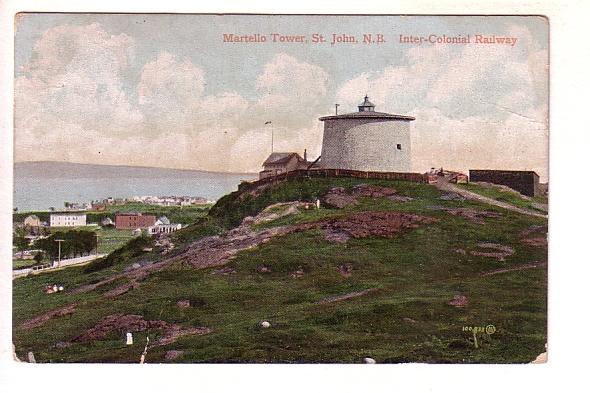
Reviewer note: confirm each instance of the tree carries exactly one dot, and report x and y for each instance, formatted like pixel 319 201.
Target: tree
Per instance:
pixel 75 243
pixel 20 241
pixel 38 258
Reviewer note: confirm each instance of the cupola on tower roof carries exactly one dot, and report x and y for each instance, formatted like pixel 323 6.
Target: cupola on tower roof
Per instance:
pixel 367 106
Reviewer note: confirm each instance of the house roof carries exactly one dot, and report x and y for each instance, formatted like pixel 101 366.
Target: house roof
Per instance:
pixel 281 158
pixel 164 220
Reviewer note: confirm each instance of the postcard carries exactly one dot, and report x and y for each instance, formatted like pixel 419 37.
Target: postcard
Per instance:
pixel 267 188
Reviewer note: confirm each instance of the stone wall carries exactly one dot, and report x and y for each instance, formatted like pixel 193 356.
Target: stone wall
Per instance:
pixel 367 145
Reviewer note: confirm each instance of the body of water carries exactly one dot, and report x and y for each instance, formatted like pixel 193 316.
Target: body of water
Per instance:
pixel 41 185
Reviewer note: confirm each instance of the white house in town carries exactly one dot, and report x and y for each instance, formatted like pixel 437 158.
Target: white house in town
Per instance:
pixel 163 228
pixel 163 225
pixel 367 141
pixel 32 221
pixel 69 219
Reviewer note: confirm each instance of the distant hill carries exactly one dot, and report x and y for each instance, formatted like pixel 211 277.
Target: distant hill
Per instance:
pixel 54 169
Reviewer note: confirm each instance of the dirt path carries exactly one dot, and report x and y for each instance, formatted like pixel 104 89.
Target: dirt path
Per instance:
pixel 514 269
pixel 444 185
pixel 347 296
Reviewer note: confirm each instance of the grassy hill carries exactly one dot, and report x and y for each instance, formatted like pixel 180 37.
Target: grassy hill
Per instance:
pixel 336 285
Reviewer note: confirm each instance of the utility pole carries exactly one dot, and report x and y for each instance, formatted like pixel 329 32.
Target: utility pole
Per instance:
pixel 59 241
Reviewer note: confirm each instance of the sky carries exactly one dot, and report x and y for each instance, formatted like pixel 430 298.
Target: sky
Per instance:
pixel 165 90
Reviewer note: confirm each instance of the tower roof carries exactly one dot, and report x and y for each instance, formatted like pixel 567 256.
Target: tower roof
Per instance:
pixel 367 110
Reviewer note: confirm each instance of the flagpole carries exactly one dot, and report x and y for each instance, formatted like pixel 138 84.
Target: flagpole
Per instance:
pixel 272 136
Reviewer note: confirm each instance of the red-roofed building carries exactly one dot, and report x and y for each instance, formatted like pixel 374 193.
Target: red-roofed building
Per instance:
pixel 133 220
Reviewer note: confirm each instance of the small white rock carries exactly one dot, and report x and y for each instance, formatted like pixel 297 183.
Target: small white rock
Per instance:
pixel 369 361
pixel 265 324
pixel 61 288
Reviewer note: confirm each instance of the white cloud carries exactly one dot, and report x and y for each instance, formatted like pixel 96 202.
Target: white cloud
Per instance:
pixel 72 105
pixel 475 142
pixel 71 90
pixel 475 105
pixel 225 131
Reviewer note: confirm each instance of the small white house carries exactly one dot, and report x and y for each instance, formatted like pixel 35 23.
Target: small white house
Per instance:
pixel 32 221
pixel 163 228
pixel 68 219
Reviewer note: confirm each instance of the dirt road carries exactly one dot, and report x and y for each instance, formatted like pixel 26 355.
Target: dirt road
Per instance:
pixel 443 184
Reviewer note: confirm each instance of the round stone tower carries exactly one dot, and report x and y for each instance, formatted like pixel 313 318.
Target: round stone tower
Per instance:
pixel 367 141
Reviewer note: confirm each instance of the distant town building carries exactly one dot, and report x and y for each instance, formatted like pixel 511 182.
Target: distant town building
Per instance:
pixel 163 228
pixel 163 220
pixel 133 220
pixel 170 200
pixel 367 141
pixel 32 221
pixel 67 219
pixel 77 206
pixel 163 225
pixel 278 163
pixel 525 182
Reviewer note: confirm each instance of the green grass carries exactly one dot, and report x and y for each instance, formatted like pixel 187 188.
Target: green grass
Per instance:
pixel 22 263
pixel 512 198
pixel 407 319
pixel 231 209
pixel 109 239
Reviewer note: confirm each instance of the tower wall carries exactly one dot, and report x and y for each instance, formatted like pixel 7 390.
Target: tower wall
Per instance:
pixel 367 145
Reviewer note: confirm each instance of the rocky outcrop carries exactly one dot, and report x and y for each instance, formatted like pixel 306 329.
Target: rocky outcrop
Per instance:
pixel 132 323
pixel 41 319
pixel 339 197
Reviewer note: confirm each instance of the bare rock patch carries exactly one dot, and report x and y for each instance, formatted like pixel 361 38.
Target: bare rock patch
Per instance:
pixel 492 250
pixel 473 215
pixel 123 323
pixel 41 319
pixel 459 301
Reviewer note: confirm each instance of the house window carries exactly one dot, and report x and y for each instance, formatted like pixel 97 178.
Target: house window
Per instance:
pixel 399 146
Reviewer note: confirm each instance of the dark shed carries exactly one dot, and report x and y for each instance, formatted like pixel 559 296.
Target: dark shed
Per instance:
pixel 525 182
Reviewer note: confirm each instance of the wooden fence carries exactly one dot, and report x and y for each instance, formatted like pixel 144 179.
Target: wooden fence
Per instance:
pixel 308 173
